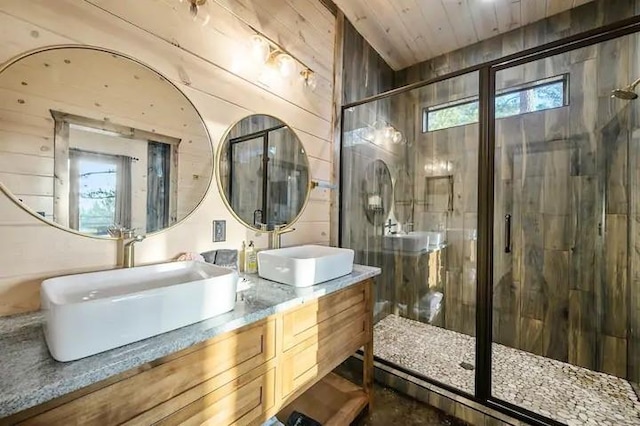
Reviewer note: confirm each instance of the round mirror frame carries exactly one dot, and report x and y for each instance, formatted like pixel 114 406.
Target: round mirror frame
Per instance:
pixel 6 191
pixel 222 190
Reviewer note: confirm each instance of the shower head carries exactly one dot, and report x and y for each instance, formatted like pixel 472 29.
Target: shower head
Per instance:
pixel 628 93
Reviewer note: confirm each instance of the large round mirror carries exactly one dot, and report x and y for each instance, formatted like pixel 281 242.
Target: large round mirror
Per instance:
pixel 263 172
pixel 92 140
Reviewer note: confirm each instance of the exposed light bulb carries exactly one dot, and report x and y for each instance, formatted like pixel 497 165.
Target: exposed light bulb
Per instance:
pixel 310 79
pixel 397 137
pixel 388 133
pixel 193 9
pixel 285 64
pixel 260 49
pixel 369 134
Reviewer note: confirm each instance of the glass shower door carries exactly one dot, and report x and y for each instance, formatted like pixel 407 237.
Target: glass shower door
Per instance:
pixel 410 206
pixel 563 332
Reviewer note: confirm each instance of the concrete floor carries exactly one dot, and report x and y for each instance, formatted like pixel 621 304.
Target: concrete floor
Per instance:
pixel 391 408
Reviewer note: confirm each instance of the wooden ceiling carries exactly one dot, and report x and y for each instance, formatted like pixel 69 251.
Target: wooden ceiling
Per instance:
pixel 405 32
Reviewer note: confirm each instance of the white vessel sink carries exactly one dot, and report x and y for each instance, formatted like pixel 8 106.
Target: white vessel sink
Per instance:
pixel 304 266
pixel 414 241
pixel 90 313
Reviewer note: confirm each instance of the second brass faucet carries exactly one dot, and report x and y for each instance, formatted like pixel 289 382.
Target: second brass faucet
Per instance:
pixel 129 253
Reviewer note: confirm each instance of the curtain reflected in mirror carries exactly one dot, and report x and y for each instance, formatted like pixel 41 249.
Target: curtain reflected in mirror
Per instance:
pixel 264 172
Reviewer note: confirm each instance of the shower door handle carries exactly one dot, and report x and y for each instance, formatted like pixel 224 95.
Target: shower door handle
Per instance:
pixel 507 233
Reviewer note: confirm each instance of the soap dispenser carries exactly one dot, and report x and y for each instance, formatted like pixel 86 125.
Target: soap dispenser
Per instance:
pixel 251 259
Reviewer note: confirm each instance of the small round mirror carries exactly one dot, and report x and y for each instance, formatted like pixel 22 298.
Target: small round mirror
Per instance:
pixel 377 191
pixel 93 141
pixel 263 172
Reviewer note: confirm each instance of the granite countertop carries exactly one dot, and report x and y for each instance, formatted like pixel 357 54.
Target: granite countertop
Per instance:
pixel 30 376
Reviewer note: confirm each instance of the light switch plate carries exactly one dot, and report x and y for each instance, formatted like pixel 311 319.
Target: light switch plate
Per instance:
pixel 219 230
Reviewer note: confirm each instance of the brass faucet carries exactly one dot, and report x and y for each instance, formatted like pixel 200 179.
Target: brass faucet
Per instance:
pixel 129 253
pixel 274 236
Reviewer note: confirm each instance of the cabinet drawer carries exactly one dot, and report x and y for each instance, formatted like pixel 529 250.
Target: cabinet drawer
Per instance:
pixel 314 358
pixel 164 387
pixel 238 403
pixel 317 317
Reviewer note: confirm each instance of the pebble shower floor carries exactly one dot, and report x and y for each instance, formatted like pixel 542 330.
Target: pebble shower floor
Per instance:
pixel 564 392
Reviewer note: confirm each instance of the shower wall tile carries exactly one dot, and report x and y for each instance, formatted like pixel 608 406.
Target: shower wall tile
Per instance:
pixel 583 112
pixel 365 73
pixel 581 353
pixel 505 328
pixel 585 234
pixel 616 153
pixel 633 349
pixel 614 293
pixel 583 322
pixel 582 311
pixel 558 231
pixel 614 356
pixel 531 335
pixel 556 321
pixel 533 304
pixel 557 123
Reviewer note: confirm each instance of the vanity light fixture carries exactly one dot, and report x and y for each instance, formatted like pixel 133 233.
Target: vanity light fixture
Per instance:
pixel 381 132
pixel 194 10
pixel 267 53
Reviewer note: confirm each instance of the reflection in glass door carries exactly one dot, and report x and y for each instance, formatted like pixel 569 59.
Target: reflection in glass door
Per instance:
pixel 410 206
pixel 564 315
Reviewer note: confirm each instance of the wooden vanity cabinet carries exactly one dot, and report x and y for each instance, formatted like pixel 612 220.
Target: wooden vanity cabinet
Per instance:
pixel 239 378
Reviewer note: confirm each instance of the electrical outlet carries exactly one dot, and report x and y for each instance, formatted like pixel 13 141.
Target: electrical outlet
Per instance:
pixel 219 230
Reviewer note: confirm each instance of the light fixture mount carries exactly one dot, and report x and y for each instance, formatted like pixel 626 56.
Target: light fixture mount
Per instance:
pixel 194 5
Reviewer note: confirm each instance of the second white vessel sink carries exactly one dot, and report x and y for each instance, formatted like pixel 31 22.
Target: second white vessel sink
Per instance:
pixel 304 266
pixel 90 313
pixel 414 241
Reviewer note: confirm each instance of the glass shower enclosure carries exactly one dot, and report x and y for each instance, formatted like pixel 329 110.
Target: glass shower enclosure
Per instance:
pixel 532 159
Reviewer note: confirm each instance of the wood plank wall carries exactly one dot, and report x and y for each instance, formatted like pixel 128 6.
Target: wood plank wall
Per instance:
pixel 205 62
pixel 573 21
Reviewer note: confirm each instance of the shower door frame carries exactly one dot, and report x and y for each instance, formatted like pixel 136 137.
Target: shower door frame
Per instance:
pixel 486 168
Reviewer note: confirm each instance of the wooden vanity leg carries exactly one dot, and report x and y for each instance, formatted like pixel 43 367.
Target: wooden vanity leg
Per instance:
pixel 367 364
